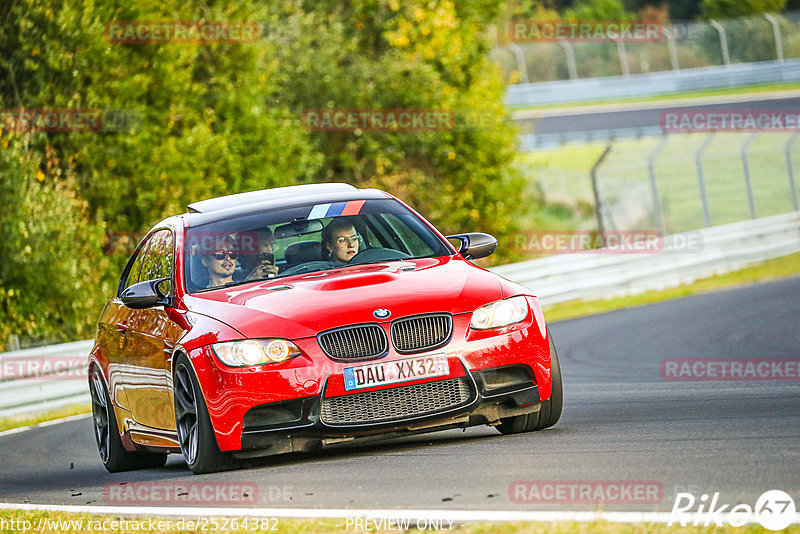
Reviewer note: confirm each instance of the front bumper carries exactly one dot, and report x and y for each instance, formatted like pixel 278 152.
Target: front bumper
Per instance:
pixel 303 403
pixel 308 423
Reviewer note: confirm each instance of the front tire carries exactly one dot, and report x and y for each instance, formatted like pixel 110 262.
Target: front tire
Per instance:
pixel 195 433
pixel 550 410
pixel 106 432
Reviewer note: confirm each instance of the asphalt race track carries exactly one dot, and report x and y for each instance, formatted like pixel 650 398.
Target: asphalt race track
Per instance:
pixel 641 115
pixel 621 422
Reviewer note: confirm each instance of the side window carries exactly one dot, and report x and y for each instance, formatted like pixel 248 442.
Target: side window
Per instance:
pixel 158 260
pixel 132 276
pixel 370 236
pixel 412 241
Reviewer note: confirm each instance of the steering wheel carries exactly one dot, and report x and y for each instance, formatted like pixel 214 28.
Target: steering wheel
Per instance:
pixel 309 266
pixel 372 255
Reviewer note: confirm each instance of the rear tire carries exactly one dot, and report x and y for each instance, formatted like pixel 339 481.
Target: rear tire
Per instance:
pixel 195 433
pixel 550 410
pixel 106 432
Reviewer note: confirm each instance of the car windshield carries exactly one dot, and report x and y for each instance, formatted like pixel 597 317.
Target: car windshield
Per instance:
pixel 305 239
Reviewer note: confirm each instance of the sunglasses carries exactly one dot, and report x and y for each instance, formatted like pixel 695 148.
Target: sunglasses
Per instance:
pixel 347 240
pixel 222 254
pixel 266 257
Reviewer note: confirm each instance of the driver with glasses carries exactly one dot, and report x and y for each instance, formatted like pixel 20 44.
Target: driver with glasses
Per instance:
pixel 220 264
pixel 341 240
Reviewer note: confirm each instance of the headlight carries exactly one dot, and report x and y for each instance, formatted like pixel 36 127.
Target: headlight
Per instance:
pixel 500 313
pixel 255 352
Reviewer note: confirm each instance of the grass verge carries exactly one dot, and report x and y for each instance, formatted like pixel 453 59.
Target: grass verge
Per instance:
pixel 562 175
pixel 45 522
pixel 768 270
pixel 27 420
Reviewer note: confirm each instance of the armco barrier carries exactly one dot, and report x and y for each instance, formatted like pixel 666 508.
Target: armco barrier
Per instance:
pixel 652 84
pixel 553 279
pixel 597 275
pixel 33 395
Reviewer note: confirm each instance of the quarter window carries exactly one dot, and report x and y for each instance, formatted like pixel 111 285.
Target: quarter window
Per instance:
pixel 132 275
pixel 153 261
pixel 158 260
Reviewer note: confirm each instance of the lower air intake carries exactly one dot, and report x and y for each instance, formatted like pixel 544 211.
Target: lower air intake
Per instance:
pixel 396 403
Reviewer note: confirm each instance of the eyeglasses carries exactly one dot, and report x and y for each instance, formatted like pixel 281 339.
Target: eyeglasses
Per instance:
pixel 266 257
pixel 347 240
pixel 222 254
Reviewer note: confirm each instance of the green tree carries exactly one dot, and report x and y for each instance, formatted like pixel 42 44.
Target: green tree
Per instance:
pixel 599 10
pixel 376 55
pixel 53 271
pixel 204 128
pixel 724 9
pixel 205 125
pixel 220 118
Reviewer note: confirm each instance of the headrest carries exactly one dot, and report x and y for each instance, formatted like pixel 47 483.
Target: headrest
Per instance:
pixel 303 251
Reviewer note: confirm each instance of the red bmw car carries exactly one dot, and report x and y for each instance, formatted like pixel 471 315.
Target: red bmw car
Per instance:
pixel 290 319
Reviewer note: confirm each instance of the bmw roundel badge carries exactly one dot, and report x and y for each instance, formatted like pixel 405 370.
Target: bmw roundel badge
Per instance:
pixel 382 313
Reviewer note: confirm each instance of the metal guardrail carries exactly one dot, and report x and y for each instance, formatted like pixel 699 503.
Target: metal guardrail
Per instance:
pixel 597 275
pixel 554 279
pixel 652 84
pixel 29 390
pixel 533 142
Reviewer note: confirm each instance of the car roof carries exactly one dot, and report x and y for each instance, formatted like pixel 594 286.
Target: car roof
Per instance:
pixel 220 208
pixel 251 197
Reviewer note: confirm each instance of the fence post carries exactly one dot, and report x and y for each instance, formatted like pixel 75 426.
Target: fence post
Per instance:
pixel 776 33
pixel 788 149
pixel 750 200
pixel 519 56
pixel 569 52
pixel 658 216
pixel 723 41
pixel 673 50
pixel 623 58
pixel 598 204
pixel 698 160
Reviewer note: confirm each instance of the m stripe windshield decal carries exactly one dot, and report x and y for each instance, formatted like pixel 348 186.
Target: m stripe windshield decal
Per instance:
pixel 336 209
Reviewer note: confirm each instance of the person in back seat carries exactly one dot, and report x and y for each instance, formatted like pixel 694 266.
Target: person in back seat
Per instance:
pixel 260 264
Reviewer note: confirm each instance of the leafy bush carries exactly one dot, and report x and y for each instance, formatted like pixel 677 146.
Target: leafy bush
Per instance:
pixel 54 275
pixel 220 118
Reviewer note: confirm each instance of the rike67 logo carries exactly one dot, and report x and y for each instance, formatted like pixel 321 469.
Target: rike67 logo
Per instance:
pixel 774 510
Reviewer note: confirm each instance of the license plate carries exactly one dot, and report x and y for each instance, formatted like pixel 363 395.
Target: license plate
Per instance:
pixel 379 374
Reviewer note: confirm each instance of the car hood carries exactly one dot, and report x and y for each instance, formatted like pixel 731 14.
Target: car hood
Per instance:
pixel 303 305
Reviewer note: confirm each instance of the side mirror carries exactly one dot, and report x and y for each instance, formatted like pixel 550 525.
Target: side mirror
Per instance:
pixel 145 295
pixel 475 245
